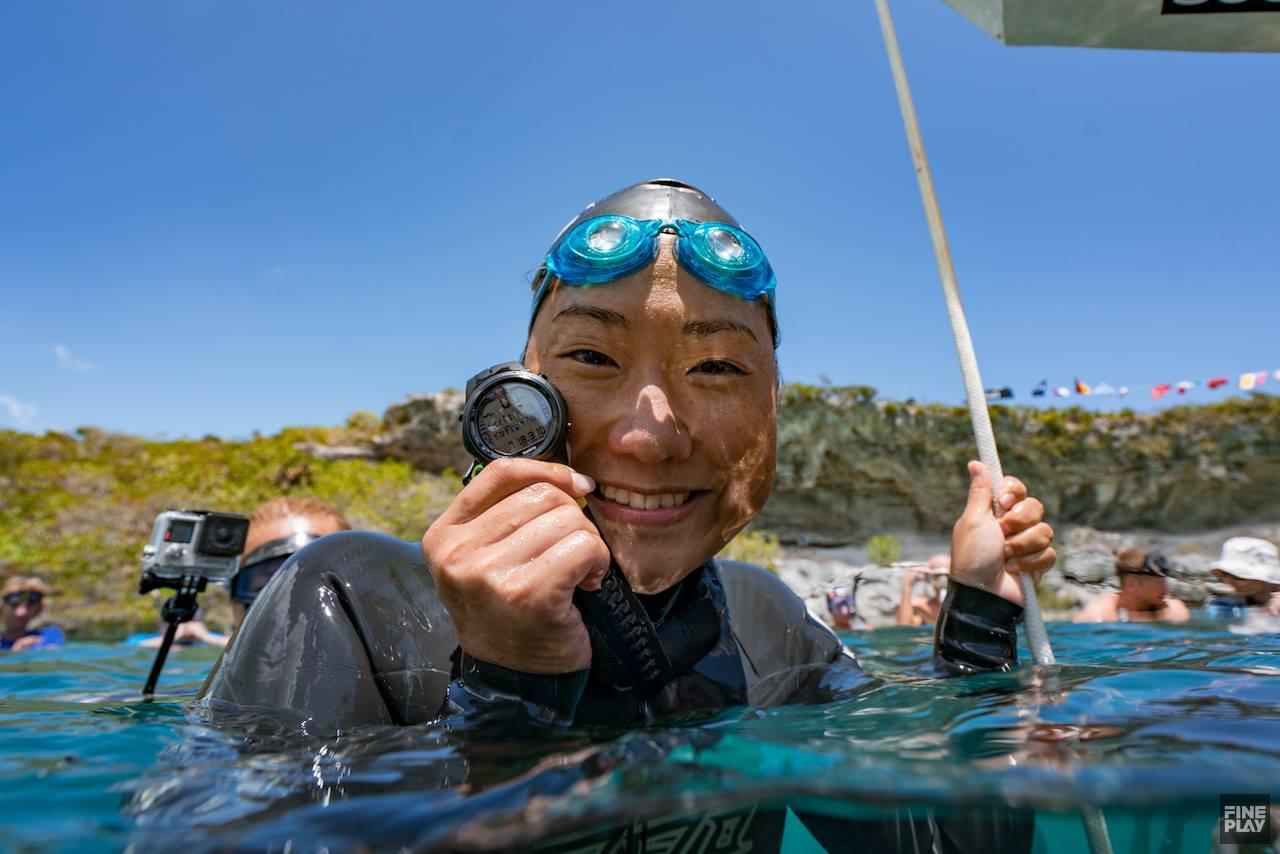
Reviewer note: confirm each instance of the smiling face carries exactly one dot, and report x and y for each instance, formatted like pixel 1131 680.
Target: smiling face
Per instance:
pixel 672 390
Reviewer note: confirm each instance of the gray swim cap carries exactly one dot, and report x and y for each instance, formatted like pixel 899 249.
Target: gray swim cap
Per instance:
pixel 660 198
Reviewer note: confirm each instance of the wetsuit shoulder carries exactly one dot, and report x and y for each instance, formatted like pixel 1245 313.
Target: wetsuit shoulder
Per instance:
pixel 350 631
pixel 780 641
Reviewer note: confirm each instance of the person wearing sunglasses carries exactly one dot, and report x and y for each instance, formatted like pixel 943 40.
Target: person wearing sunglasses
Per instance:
pixel 1144 593
pixel 24 597
pixel 277 529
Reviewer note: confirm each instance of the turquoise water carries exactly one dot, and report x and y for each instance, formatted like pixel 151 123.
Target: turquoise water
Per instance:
pixel 1152 722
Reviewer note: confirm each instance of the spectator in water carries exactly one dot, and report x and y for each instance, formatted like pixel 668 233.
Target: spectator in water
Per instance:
pixel 191 633
pixel 277 529
pixel 841 606
pixel 1144 593
pixel 1252 567
pixel 24 597
pixel 923 610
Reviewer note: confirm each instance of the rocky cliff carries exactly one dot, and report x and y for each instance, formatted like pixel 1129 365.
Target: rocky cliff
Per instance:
pixel 851 466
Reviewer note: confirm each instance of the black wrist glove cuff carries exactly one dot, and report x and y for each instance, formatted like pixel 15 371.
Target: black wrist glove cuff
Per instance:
pixel 551 698
pixel 977 631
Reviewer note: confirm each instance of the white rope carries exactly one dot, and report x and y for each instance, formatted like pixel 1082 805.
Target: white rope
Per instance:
pixel 1037 637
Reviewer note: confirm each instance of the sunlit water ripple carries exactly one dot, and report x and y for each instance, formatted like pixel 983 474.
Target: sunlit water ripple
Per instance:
pixel 1152 722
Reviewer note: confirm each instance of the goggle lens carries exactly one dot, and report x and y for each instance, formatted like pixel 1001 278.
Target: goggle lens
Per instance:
pixel 726 258
pixel 31 597
pixel 602 249
pixel 724 244
pixel 249 581
pixel 607 237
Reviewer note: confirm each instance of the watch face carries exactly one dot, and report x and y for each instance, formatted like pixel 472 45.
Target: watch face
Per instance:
pixel 513 418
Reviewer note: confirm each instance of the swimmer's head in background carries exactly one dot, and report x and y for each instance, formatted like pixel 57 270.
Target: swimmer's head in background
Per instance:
pixel 24 589
pixel 1249 558
pixel 840 601
pixel 618 236
pixel 277 529
pixel 1140 562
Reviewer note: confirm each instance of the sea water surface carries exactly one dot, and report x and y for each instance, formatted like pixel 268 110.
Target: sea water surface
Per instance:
pixel 1151 722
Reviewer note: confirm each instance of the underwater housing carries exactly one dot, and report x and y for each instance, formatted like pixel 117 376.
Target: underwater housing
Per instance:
pixel 200 544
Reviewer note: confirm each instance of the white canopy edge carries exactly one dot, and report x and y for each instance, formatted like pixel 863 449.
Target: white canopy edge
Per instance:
pixel 1203 25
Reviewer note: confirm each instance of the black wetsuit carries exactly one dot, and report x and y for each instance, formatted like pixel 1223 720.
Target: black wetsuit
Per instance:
pixel 351 632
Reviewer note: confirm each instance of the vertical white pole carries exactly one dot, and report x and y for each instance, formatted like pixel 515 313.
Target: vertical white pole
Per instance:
pixel 1037 638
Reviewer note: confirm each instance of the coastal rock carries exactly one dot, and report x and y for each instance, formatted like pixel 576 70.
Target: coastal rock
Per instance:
pixel 423 431
pixel 850 466
pixel 337 452
pixel 1087 556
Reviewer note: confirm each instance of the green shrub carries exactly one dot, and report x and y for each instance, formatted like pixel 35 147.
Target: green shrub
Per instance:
pixel 884 549
pixel 758 547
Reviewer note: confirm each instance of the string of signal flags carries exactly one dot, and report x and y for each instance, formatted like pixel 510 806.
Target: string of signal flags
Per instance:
pixel 1247 381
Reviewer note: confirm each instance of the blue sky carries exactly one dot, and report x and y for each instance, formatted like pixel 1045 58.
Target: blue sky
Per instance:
pixel 225 217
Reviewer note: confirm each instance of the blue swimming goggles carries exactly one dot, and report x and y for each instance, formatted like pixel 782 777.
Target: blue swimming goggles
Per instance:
pixel 604 248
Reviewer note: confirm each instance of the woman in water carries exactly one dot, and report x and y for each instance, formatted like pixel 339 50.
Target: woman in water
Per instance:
pixel 667 364
pixel 654 315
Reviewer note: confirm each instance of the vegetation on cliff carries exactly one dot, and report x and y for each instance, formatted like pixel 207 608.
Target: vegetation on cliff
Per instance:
pixel 77 510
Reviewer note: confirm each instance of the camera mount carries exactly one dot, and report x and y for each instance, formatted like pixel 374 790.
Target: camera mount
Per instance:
pixel 179 608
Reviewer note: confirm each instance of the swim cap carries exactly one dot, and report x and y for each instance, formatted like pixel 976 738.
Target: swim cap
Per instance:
pixel 661 198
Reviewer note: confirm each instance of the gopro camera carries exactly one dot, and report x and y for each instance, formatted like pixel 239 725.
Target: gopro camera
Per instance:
pixel 198 544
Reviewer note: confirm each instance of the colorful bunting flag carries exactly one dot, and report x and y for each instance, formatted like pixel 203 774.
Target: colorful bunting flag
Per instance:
pixel 1247 381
